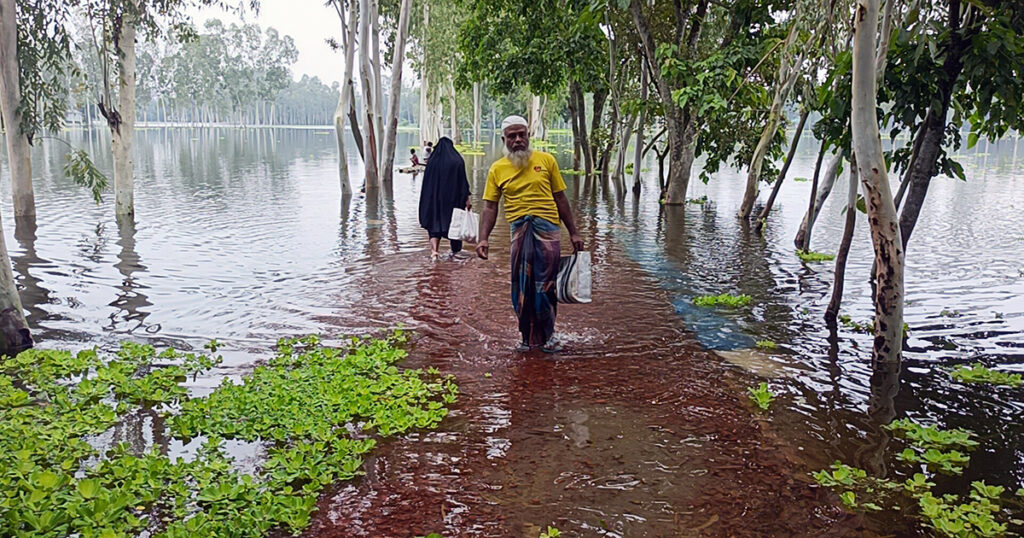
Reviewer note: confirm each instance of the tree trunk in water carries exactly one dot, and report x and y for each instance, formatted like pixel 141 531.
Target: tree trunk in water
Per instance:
pixel 14 334
pixel 682 142
pixel 924 166
pixel 798 242
pixel 599 98
pixel 122 131
pixel 477 111
pixel 757 160
pixel 871 168
pixel 378 80
pixel 638 150
pixel 19 155
pixel 581 128
pixel 762 218
pixel 348 34
pixel 832 311
pixel 366 75
pixel 681 126
pixel 391 138
pixel 823 189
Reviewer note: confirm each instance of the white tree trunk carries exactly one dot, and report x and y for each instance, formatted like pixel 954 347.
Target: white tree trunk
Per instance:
pixel 378 80
pixel 122 135
pixel 871 166
pixel 366 75
pixel 348 36
pixel 391 137
pixel 535 119
pixel 824 189
pixel 453 115
pixel 19 156
pixel 476 114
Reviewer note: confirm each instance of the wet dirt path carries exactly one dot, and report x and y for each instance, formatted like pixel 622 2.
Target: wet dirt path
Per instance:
pixel 633 430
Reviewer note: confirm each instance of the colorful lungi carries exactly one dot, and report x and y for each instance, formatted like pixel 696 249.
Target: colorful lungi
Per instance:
pixel 536 251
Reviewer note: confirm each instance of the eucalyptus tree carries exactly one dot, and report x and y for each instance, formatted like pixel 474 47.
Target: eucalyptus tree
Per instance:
pixel 807 27
pixel 118 23
pixel 35 54
pixel 347 14
pixel 873 172
pixel 398 58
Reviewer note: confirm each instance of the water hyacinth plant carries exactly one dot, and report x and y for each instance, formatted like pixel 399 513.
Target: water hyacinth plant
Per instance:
pixel 314 411
pixel 724 299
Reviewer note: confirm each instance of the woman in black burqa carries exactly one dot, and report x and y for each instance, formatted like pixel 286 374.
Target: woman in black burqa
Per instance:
pixel 444 188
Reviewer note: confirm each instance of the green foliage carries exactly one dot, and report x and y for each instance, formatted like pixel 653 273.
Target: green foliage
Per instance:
pixel 980 514
pixel 761 396
pixel 865 326
pixel 54 483
pixel 765 344
pixel 698 201
pixel 44 65
pixel 84 173
pixel 979 373
pixel 551 532
pixel 725 299
pixel 930 436
pixel 808 256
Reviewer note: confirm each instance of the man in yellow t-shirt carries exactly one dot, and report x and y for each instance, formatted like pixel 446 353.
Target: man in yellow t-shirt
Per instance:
pixel 535 204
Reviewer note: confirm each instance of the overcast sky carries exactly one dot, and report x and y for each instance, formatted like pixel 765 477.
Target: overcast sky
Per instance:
pixel 309 23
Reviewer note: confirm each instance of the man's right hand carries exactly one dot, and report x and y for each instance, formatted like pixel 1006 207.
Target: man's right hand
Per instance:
pixel 482 248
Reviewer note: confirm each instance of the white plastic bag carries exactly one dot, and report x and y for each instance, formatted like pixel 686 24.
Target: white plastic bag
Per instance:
pixel 464 226
pixel 574 278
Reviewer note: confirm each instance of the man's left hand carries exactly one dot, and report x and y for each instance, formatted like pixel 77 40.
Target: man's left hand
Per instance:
pixel 577 242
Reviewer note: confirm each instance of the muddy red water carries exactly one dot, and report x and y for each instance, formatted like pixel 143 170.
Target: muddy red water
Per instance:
pixel 632 430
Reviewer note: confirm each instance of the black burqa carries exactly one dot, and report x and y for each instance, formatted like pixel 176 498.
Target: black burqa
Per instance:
pixel 444 188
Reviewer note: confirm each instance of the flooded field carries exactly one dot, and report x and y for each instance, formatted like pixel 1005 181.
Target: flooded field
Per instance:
pixel 642 426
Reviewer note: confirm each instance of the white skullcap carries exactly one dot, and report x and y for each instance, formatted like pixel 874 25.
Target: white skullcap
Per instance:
pixel 513 120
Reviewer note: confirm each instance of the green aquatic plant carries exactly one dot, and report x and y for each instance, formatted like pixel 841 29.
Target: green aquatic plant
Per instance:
pixel 808 256
pixel 765 344
pixel 573 172
pixel 761 396
pixel 313 411
pixel 865 326
pixel 979 373
pixel 800 179
pixel 550 532
pixel 930 436
pixel 698 201
pixel 978 513
pixel 724 299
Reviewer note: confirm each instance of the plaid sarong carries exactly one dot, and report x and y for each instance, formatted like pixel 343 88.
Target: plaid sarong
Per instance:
pixel 535 252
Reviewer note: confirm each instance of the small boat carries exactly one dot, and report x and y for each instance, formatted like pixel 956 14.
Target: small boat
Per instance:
pixel 412 169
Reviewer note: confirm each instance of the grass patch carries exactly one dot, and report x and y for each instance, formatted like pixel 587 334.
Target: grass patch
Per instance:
pixel 725 299
pixel 765 344
pixel 314 410
pixel 979 373
pixel 808 256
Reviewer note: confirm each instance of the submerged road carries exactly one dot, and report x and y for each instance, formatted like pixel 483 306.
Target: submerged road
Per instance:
pixel 632 430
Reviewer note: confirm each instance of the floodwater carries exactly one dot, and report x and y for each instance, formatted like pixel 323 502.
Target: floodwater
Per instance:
pixel 641 427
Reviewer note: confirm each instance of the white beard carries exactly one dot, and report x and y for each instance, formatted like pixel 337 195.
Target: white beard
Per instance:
pixel 519 158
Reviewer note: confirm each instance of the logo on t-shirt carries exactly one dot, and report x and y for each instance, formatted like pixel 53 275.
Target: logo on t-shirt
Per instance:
pixel 536 169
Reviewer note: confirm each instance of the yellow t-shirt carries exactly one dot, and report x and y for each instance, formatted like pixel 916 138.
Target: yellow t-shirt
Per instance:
pixel 527 191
